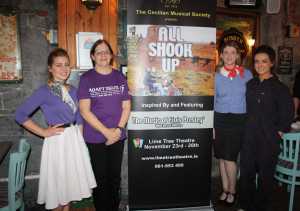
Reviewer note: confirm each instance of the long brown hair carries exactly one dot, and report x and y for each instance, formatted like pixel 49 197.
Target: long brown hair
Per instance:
pixel 57 52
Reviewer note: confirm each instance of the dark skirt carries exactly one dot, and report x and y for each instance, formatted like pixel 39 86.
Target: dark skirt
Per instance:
pixel 229 133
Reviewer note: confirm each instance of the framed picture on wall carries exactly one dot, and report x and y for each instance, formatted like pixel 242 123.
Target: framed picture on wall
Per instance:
pixel 243 3
pixel 10 55
pixel 84 43
pixel 124 70
pixel 285 60
pixel 242 27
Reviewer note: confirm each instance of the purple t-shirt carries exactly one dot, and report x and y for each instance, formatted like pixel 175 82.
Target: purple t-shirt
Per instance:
pixel 106 93
pixel 53 108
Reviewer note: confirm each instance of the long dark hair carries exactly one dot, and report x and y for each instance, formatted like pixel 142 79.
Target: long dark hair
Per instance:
pixel 99 42
pixel 57 52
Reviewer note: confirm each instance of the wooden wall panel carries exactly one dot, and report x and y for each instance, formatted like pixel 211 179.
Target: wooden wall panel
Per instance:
pixel 62 24
pixel 112 31
pixel 74 17
pixel 71 31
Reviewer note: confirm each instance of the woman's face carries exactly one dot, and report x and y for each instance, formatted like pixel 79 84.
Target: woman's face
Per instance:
pixel 60 69
pixel 229 56
pixel 102 55
pixel 262 64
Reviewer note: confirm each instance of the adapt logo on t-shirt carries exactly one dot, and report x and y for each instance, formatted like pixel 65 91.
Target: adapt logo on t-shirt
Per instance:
pixel 106 91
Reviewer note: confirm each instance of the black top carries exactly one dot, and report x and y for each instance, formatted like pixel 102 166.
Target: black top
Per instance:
pixel 296 88
pixel 269 105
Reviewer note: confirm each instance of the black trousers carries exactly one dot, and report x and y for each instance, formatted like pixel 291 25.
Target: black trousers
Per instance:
pixel 106 163
pixel 257 158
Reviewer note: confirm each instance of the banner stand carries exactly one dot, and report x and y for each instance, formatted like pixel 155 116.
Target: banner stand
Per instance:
pixel 171 65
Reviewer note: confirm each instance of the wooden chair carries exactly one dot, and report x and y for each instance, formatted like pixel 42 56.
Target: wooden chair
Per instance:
pixel 16 174
pixel 288 168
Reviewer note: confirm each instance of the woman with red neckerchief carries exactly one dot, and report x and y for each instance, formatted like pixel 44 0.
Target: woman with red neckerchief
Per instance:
pixel 229 116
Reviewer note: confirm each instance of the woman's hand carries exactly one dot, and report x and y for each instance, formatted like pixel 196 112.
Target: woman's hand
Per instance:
pixel 92 120
pixel 113 135
pixel 126 105
pixel 53 131
pixel 43 132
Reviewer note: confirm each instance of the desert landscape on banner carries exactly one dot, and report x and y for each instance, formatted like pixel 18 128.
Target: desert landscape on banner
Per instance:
pixel 171 60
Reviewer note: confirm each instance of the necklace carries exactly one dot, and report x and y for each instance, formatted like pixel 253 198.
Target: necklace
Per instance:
pixel 56 88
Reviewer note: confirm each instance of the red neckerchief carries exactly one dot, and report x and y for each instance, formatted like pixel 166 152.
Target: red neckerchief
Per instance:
pixel 233 72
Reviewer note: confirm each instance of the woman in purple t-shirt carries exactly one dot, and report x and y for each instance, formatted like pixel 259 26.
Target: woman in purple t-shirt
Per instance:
pixel 104 104
pixel 65 173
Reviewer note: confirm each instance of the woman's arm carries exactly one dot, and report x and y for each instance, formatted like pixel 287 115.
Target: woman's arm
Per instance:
pixel 126 107
pixel 296 106
pixel 285 108
pixel 90 118
pixel 296 93
pixel 43 132
pixel 31 104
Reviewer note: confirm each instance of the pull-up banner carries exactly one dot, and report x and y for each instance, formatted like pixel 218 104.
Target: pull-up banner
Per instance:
pixel 171 62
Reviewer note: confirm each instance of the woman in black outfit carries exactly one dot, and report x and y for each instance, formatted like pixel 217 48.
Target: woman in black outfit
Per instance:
pixel 270 113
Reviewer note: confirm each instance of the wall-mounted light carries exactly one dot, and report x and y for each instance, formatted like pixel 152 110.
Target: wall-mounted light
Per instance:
pixel 91 4
pixel 251 42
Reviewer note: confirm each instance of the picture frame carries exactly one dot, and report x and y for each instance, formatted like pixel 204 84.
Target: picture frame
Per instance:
pixel 243 3
pixel 84 42
pixel 124 70
pixel 245 22
pixel 285 60
pixel 10 51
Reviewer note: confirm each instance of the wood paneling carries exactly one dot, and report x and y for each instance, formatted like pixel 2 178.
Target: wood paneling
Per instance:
pixel 74 17
pixel 62 23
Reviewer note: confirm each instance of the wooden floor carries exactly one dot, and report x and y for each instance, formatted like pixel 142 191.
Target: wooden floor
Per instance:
pixel 279 202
